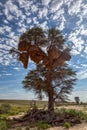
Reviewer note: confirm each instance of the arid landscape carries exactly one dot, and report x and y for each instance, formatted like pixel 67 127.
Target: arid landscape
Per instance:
pixel 19 108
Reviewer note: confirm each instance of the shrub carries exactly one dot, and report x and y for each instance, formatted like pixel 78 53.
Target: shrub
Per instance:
pixel 5 108
pixel 42 125
pixel 67 125
pixel 3 125
pixel 27 128
pixel 19 128
pixel 77 113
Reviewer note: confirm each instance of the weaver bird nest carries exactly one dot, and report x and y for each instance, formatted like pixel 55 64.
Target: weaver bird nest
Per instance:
pixel 53 58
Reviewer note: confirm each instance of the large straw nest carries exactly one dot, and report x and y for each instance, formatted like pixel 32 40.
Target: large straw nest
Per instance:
pixel 61 59
pixel 23 47
pixel 54 58
pixel 36 54
pixel 54 52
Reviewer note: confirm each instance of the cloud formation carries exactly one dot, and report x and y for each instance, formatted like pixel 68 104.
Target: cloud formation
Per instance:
pixel 69 16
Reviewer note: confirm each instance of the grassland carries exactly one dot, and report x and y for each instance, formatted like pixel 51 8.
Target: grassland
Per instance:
pixel 23 102
pixel 20 107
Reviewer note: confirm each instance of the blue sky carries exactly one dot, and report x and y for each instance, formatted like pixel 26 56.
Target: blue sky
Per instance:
pixel 16 16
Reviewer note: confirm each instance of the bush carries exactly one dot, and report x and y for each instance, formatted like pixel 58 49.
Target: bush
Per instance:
pixel 77 113
pixel 27 128
pixel 19 128
pixel 3 125
pixel 42 125
pixel 67 125
pixel 5 108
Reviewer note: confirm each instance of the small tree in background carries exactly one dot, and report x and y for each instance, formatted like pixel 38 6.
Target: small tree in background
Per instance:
pixel 77 100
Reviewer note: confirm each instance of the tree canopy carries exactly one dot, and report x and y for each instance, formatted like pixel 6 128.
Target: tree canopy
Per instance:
pixel 63 79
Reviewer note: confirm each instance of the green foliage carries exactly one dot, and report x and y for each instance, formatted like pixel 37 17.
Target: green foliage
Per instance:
pixel 4 116
pixel 5 108
pixel 72 112
pixel 3 125
pixel 19 128
pixel 62 81
pixel 67 125
pixel 42 125
pixel 27 128
pixel 78 113
pixel 14 110
pixel 20 107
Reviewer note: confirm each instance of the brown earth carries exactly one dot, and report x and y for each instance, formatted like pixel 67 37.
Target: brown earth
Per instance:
pixel 82 126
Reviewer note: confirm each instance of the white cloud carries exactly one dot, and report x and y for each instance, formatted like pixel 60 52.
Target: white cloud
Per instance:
pixel 11 11
pixel 82 74
pixel 42 12
pixel 60 13
pixel 8 74
pixel 16 68
pixel 1 4
pixel 24 4
pixel 84 65
pixel 75 7
pixel 44 25
pixel 34 8
pixel 56 5
pixel 1 60
pixel 35 20
pixel 85 50
pixel 46 2
pixel 84 10
pixel 22 29
pixel 62 24
pixel 28 20
pixel 78 43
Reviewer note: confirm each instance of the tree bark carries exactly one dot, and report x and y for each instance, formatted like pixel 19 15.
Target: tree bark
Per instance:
pixel 50 102
pixel 50 92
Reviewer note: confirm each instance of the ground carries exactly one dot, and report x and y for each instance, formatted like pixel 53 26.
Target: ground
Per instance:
pixel 82 126
pixel 20 107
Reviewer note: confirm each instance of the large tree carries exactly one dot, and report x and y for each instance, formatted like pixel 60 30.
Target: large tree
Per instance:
pixel 55 54
pixel 62 81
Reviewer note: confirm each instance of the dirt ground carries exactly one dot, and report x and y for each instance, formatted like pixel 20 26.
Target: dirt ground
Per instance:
pixel 82 126
pixel 72 107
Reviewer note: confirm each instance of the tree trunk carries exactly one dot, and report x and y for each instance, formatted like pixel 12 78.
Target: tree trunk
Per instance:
pixel 50 102
pixel 50 92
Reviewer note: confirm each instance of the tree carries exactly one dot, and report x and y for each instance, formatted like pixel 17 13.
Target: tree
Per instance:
pixel 55 54
pixel 62 81
pixel 77 99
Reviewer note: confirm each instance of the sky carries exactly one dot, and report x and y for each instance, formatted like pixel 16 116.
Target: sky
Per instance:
pixel 17 16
